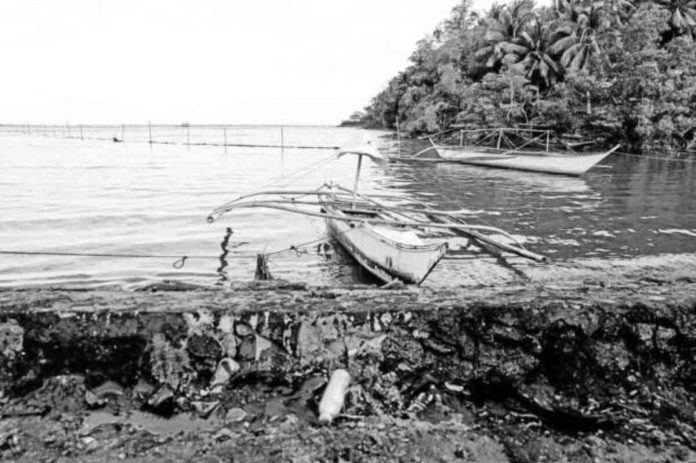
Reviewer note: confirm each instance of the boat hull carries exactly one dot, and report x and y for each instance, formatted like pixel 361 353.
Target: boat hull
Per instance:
pixel 550 163
pixel 386 253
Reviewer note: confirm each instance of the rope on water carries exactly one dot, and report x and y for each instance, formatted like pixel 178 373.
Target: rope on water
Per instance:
pixel 177 264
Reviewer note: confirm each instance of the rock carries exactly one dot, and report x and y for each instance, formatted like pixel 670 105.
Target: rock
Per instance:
pixel 244 330
pixel 199 322
pixel 225 370
pixel 162 401
pixel 143 389
pixel 11 339
pixel 223 434
pixel 235 415
pixel 93 400
pixel 226 324
pixel 204 409
pixel 204 346
pixel 229 344
pixel 109 388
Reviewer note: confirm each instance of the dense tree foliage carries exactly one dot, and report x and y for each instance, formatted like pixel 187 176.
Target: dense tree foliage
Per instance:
pixel 608 70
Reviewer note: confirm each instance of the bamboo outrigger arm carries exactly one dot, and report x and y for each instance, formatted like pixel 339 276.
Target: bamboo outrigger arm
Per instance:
pixel 281 205
pixel 323 189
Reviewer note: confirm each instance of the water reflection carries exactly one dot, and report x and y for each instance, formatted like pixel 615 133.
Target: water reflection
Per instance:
pixel 223 256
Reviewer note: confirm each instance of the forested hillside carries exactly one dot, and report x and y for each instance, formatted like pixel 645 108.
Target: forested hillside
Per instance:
pixel 614 70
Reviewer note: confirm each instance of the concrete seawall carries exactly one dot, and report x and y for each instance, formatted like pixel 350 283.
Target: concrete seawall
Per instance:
pixel 520 368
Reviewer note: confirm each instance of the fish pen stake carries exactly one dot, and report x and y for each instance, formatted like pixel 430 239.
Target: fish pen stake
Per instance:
pixel 149 131
pixel 262 272
pixel 224 136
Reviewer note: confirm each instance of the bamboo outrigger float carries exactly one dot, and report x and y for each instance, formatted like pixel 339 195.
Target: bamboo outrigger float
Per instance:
pixel 383 239
pixel 514 148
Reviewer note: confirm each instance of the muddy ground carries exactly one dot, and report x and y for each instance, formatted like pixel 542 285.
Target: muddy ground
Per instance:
pixel 583 372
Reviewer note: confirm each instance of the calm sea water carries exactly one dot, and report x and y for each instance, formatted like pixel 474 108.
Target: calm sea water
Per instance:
pixel 92 195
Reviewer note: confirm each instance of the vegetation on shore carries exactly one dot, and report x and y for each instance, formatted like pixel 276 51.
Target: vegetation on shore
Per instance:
pixel 620 71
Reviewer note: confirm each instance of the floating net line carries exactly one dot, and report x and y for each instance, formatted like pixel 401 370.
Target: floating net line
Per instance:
pixel 182 135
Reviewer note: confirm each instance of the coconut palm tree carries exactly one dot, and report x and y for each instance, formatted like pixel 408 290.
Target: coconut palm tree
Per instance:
pixel 503 25
pixel 536 62
pixel 575 39
pixel 618 11
pixel 683 18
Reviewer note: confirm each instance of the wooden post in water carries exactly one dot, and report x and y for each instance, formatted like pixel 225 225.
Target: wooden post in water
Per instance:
pixel 188 137
pixel 67 129
pixel 224 136
pixel 149 131
pixel 123 132
pixel 82 137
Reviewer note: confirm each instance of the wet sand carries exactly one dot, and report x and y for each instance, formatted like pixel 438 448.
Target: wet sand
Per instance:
pixel 579 370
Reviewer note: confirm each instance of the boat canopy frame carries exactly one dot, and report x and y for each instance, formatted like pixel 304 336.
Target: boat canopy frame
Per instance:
pixel 502 139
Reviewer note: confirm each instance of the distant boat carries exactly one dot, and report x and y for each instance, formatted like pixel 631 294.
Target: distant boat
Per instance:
pixel 513 148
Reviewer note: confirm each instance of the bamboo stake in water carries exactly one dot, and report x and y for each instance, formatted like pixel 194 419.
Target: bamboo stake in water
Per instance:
pixel 123 132
pixel 81 135
pixel 149 131
pixel 224 134
pixel 188 137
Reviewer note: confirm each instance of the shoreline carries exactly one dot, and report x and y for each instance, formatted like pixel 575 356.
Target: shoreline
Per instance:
pixel 576 371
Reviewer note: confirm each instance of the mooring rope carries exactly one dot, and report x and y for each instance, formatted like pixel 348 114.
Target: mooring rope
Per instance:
pixel 178 263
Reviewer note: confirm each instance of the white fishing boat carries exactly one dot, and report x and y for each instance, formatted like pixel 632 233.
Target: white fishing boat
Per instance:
pixel 384 239
pixel 520 149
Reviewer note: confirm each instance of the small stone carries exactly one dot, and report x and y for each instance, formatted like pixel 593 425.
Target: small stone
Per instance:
pixel 162 401
pixel 11 339
pixel 226 324
pixel 235 415
pixel 204 409
pixel 88 440
pixel 243 330
pixel 223 434
pixel 93 400
pixel 109 388
pixel 225 370
pixel 143 389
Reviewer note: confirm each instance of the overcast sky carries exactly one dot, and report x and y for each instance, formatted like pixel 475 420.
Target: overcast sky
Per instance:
pixel 203 61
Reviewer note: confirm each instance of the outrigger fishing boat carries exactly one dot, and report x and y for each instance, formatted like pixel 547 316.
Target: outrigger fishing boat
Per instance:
pixel 384 239
pixel 514 148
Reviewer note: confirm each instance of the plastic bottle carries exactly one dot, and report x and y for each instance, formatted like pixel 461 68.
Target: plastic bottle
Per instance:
pixel 334 396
